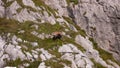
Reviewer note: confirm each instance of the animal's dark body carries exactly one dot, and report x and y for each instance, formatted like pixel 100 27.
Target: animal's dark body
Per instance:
pixel 58 36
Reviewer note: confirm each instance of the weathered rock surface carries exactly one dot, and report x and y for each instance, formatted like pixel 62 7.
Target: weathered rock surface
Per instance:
pixel 45 55
pixel 90 51
pixel 78 59
pixel 99 18
pixel 42 65
pixel 2 9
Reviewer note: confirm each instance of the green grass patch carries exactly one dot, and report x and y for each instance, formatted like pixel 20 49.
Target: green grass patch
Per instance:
pixel 49 43
pixel 34 64
pixel 46 43
pixel 18 62
pixel 12 26
pixel 68 63
pixel 15 63
pixel 8 26
pixel 74 1
pixel 39 2
pixel 27 26
pixel 48 28
pixel 55 52
pixel 57 62
pixel 53 64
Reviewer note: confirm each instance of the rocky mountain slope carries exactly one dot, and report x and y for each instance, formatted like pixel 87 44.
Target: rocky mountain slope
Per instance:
pixel 89 28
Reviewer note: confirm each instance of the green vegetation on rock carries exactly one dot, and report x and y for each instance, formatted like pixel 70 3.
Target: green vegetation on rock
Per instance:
pixel 103 54
pixel 80 31
pixel 57 63
pixel 16 62
pixel 8 26
pixel 48 28
pixel 14 27
pixel 74 1
pixel 97 65
pixel 34 64
pixel 41 4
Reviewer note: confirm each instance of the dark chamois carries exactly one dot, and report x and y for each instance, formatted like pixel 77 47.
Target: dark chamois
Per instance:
pixel 57 35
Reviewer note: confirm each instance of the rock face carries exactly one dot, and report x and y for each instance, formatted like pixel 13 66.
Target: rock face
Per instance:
pixel 100 19
pixel 90 33
pixel 90 51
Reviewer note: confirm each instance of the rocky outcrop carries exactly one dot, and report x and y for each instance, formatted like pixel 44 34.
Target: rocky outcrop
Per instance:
pixel 45 55
pixel 78 59
pixel 33 44
pixel 90 51
pixel 100 20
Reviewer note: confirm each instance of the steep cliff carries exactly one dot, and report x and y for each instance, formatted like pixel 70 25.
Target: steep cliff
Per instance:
pixel 100 19
pixel 89 29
